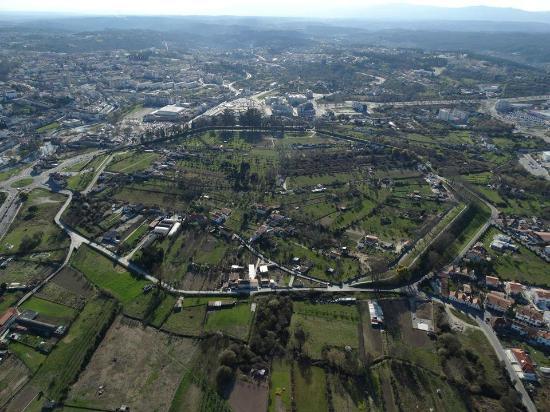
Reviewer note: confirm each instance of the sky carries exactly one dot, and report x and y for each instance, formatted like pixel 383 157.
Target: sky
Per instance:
pixel 321 8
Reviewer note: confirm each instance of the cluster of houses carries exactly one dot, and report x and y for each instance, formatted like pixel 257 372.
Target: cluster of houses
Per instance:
pixel 530 232
pixel 274 223
pixel 241 280
pixel 513 306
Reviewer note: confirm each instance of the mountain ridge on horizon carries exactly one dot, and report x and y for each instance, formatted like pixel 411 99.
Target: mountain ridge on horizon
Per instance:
pixel 390 12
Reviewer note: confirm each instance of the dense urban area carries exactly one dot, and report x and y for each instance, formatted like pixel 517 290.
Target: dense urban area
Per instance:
pixel 245 216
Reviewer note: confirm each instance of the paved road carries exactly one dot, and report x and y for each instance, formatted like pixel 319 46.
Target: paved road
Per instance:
pixel 499 350
pixel 455 101
pixel 97 174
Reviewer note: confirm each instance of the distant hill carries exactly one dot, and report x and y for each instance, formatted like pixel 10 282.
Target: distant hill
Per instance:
pixel 407 12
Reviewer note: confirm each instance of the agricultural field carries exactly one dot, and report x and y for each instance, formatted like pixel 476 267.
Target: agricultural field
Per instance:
pixel 13 375
pixel 325 326
pixel 522 266
pixel 234 321
pixel 62 366
pixel 136 366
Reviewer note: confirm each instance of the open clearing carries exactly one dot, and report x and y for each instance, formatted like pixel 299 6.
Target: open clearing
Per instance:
pixel 139 367
pixel 326 325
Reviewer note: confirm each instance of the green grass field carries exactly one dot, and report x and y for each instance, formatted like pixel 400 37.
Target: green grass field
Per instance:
pixel 133 162
pixel 30 357
pixel 162 311
pixel 107 276
pixel 326 325
pixel 22 182
pixel 280 385
pixel 187 322
pixel 234 322
pixel 49 309
pixel 310 384
pixel 79 182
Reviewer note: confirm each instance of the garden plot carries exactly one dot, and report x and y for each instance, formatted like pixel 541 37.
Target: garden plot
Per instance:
pixel 136 366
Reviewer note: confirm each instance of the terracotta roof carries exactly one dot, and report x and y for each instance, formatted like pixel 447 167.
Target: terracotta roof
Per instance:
pixel 498 300
pixel 530 313
pixel 492 280
pixel 543 293
pixel 524 360
pixel 7 315
pixel 544 236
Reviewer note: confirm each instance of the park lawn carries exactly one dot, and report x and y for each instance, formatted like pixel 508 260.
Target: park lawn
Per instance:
pixel 36 216
pixel 30 357
pixel 62 366
pixel 280 384
pixel 107 276
pixel 234 322
pixel 188 322
pixel 522 266
pixel 133 162
pixel 22 182
pixel 49 309
pixel 310 389
pixel 326 325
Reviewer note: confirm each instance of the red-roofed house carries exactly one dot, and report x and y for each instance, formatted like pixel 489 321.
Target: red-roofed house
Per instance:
pixel 523 364
pixel 498 302
pixel 541 298
pixel 7 318
pixel 529 315
pixel 492 282
pixel 542 237
pixel 513 288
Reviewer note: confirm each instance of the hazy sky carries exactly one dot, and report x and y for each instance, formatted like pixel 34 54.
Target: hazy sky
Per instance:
pixel 241 7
